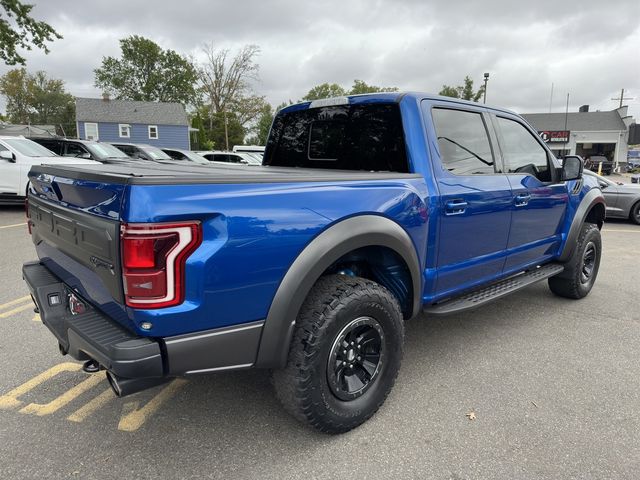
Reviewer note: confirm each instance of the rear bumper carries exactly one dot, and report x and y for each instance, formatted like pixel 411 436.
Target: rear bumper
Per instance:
pixel 93 335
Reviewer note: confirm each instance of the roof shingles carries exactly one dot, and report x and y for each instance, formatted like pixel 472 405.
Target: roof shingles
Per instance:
pixel 127 111
pixel 576 121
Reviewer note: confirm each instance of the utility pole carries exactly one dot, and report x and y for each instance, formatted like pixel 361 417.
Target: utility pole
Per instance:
pixel 484 95
pixel 622 97
pixel 551 97
pixel 566 114
pixel 226 130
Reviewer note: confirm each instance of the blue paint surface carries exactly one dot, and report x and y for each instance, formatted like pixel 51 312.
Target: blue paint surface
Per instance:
pixel 254 232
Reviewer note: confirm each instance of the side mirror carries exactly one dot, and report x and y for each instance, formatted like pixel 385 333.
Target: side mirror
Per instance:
pixel 7 155
pixel 86 155
pixel 572 167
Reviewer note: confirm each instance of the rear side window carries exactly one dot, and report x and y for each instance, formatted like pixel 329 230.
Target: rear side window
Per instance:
pixel 463 142
pixel 347 137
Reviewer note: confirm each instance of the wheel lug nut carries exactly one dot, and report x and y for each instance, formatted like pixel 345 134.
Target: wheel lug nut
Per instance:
pixel 351 343
pixel 358 358
pixel 351 366
pixel 344 352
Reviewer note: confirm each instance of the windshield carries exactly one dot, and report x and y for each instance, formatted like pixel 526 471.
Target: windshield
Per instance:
pixel 250 159
pixel 156 153
pixel 104 150
pixel 194 157
pixel 28 148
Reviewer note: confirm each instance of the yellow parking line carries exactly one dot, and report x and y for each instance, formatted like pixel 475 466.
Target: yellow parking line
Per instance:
pixel 16 310
pixel 14 225
pixel 133 417
pixel 13 302
pixel 68 396
pixel 97 403
pixel 10 400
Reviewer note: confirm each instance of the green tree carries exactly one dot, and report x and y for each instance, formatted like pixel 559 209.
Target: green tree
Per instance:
pixel 265 119
pixel 360 86
pixel 147 72
pixel 37 99
pixel 226 85
pixel 325 90
pixel 201 141
pixel 19 30
pixel 465 92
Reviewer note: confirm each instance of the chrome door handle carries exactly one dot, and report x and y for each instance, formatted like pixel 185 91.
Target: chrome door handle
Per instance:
pixel 522 200
pixel 455 207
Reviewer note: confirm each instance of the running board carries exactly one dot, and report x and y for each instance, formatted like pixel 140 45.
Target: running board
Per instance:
pixel 476 298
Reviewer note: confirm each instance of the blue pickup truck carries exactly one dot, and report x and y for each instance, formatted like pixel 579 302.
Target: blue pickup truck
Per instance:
pixel 368 211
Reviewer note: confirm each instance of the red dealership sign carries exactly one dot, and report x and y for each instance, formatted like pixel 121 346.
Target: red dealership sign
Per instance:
pixel 555 135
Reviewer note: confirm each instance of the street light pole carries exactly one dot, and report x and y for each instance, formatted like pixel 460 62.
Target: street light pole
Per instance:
pixel 486 79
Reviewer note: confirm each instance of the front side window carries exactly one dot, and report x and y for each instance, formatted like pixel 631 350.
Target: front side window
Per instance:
pixel 75 150
pixel 153 132
pixel 125 130
pixel 463 142
pixel 521 152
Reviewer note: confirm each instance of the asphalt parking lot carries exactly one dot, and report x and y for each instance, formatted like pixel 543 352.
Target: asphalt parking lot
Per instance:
pixel 554 385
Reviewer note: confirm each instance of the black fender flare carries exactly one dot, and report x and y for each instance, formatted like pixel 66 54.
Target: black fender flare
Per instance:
pixel 325 249
pixel 592 198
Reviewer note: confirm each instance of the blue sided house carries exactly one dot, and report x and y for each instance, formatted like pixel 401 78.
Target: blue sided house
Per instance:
pixel 153 123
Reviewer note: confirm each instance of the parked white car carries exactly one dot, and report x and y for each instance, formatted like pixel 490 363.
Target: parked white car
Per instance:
pixel 17 155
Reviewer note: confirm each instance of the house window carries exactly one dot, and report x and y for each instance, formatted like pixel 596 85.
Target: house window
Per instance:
pixel 91 131
pixel 125 130
pixel 153 132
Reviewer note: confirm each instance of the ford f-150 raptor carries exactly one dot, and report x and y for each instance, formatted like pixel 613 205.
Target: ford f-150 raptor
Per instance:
pixel 368 210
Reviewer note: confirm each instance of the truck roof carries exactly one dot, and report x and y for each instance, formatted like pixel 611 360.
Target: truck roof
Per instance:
pixel 383 97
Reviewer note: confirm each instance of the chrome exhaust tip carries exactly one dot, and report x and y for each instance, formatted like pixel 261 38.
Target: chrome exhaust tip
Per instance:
pixel 127 386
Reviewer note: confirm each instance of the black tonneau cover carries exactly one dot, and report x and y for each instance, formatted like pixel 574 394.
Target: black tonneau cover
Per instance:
pixel 188 173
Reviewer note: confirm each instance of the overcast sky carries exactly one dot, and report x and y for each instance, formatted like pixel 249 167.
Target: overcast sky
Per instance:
pixel 587 48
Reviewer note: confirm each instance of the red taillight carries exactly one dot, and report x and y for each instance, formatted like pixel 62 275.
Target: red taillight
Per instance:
pixel 153 259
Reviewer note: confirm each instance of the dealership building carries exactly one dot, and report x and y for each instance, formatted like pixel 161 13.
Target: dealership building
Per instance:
pixel 585 133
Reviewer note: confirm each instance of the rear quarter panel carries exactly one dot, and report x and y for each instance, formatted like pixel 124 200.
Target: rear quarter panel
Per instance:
pixel 253 233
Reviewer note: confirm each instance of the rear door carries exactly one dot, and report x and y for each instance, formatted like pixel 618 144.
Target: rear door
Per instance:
pixel 538 201
pixel 474 214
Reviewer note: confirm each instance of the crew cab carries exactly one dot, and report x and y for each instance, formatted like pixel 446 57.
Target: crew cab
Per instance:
pixel 368 211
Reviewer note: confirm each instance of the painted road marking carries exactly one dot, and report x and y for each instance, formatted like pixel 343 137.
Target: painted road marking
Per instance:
pixel 133 417
pixel 93 406
pixel 10 400
pixel 14 225
pixel 13 302
pixel 17 310
pixel 68 396
pixel 620 231
pixel 36 318
pixel 134 414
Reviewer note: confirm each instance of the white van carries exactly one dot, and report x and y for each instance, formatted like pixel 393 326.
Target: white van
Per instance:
pixel 17 155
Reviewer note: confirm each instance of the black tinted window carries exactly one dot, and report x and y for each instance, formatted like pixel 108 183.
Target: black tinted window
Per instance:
pixel 348 137
pixel 463 142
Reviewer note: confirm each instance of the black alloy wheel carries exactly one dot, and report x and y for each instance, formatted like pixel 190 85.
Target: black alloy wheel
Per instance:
pixel 356 358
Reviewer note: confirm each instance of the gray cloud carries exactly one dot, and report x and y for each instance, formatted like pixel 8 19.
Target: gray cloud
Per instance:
pixel 587 48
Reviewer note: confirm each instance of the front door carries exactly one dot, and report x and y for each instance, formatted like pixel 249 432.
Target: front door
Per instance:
pixel 474 214
pixel 538 202
pixel 9 174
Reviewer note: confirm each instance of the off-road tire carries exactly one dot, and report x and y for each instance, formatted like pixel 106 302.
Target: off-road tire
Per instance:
pixel 574 282
pixel 304 386
pixel 634 215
